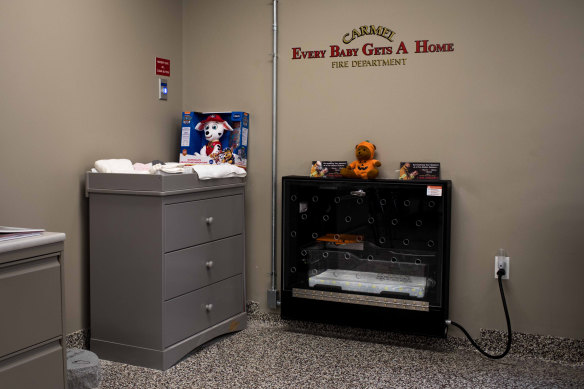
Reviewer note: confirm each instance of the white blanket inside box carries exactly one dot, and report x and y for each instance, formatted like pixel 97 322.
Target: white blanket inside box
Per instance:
pixel 214 138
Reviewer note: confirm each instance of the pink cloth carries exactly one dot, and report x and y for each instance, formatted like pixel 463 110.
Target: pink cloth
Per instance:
pixel 140 167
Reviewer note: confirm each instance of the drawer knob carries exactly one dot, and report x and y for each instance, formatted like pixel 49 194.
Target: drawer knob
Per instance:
pixel 209 264
pixel 208 307
pixel 209 220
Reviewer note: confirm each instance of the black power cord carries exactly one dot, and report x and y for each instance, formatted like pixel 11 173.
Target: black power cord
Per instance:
pixel 500 274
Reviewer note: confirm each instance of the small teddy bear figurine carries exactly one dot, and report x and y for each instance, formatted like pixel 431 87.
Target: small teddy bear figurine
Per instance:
pixel 365 166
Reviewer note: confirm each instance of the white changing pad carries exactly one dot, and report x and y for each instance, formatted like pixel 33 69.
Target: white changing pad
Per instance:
pixel 114 166
pixel 207 172
pixel 126 166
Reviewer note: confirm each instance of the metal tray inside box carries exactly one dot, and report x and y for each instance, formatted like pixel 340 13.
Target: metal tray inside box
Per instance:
pixel 368 282
pixel 367 268
pixel 162 184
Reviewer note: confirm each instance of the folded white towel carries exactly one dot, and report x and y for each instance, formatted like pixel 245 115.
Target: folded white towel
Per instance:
pixel 207 172
pixel 173 167
pixel 168 167
pixel 114 166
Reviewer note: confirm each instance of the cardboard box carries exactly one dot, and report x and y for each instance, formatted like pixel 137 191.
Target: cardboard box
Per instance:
pixel 419 171
pixel 327 169
pixel 230 148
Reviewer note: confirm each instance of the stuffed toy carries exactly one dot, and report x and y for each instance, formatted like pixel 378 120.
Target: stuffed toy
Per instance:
pixel 365 166
pixel 214 127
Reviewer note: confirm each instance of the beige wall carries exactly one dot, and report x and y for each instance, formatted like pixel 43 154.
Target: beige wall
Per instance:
pixel 78 85
pixel 227 51
pixel 502 113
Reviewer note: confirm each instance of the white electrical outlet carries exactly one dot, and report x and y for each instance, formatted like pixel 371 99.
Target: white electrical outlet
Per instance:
pixel 502 262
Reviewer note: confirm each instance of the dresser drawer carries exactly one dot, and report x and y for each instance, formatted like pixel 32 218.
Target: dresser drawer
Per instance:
pixel 193 268
pixel 30 294
pixel 195 222
pixel 41 368
pixel 193 312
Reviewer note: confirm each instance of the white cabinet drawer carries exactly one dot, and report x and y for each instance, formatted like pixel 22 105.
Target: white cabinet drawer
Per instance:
pixel 195 222
pixel 40 368
pixel 196 267
pixel 30 294
pixel 193 312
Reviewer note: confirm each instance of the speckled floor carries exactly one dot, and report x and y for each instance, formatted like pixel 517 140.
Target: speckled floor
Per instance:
pixel 275 354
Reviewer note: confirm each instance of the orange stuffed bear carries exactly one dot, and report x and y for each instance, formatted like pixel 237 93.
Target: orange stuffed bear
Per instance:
pixel 365 166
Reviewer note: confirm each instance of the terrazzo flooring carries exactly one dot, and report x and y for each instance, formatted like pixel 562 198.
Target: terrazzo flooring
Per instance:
pixel 275 354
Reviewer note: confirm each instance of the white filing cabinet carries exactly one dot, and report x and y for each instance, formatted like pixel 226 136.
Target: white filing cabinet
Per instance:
pixel 32 339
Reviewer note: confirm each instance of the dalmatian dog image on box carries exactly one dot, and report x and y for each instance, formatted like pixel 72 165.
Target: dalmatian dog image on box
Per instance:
pixel 214 127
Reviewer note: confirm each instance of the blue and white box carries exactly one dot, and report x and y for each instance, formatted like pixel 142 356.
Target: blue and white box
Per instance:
pixel 214 138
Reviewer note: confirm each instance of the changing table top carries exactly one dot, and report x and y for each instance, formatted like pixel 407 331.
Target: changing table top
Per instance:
pixel 161 184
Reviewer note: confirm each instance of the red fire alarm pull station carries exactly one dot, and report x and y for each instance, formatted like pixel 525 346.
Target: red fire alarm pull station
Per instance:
pixel 162 67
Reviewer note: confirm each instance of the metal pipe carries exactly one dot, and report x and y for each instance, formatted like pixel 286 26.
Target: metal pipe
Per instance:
pixel 273 300
pixel 274 143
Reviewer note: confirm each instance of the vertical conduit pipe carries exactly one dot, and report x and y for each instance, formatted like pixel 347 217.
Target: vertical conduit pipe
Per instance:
pixel 273 300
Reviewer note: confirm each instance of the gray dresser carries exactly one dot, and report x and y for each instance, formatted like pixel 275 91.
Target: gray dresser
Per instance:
pixel 167 264
pixel 32 339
